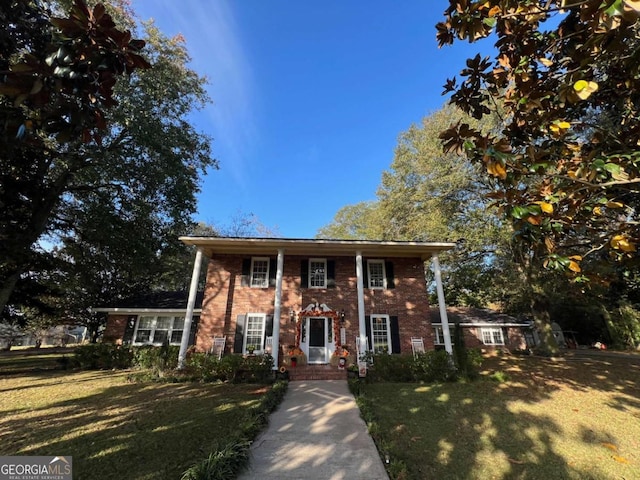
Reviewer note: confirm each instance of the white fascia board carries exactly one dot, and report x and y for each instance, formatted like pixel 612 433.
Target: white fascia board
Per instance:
pixel 145 310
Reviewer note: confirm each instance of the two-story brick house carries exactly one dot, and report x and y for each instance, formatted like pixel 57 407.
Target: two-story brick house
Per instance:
pixel 316 296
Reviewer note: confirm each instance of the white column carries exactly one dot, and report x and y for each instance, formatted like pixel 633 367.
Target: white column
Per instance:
pixel 441 304
pixel 361 312
pixel 277 309
pixel 193 291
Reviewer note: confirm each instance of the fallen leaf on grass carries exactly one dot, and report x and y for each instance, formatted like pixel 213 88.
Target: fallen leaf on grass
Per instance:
pixel 517 462
pixel 610 446
pixel 620 459
pixel 415 439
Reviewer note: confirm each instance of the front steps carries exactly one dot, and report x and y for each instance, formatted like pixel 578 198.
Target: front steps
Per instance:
pixel 316 372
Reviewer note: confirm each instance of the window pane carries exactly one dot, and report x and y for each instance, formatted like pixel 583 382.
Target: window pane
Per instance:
pixel 164 323
pixel 160 336
pixel 178 323
pixel 379 333
pixel 439 338
pixel 143 336
pixel 255 327
pixel 145 323
pixel 176 336
pixel 259 273
pixel 497 336
pixel 376 274
pixel 317 271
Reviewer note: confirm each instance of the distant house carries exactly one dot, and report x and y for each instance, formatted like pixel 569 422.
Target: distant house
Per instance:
pixel 486 328
pixel 319 297
pixel 59 335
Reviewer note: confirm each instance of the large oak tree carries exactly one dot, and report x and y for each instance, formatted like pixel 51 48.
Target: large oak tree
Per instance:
pixel 98 156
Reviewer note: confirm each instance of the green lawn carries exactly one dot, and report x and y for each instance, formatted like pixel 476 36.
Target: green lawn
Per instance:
pixel 578 419
pixel 29 360
pixel 114 429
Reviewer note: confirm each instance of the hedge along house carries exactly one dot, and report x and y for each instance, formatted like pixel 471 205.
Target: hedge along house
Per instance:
pixel 319 298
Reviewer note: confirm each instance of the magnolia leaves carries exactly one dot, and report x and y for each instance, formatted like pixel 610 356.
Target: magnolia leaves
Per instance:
pixel 68 82
pixel 565 163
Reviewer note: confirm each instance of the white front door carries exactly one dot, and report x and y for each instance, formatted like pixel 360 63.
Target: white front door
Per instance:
pixel 317 328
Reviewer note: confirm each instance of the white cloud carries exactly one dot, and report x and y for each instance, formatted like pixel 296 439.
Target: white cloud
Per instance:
pixel 214 43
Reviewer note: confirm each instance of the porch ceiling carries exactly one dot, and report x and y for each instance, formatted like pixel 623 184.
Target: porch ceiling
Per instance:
pixel 261 246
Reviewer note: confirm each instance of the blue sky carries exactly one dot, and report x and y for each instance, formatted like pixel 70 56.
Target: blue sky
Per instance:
pixel 308 98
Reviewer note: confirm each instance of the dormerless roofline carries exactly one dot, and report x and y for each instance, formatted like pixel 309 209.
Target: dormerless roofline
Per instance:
pixel 260 246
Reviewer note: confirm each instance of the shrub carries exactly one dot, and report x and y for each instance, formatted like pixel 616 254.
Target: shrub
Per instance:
pixel 103 356
pixel 221 464
pixel 231 368
pixel 392 368
pixel 434 366
pixel 156 358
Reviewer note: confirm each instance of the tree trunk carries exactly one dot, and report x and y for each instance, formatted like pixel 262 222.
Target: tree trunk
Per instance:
pixel 542 320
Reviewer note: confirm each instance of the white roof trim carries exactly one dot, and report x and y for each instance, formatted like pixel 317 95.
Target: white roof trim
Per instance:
pixel 145 310
pixel 495 324
pixel 316 247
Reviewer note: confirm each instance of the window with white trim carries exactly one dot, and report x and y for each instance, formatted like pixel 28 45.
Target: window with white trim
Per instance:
pixel 438 334
pixel 317 273
pixel 260 272
pixel 158 329
pixel 254 331
pixel 376 274
pixel 492 336
pixel 380 334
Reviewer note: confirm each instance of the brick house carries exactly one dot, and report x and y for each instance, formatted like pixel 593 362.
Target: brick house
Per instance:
pixel 315 297
pixel 486 329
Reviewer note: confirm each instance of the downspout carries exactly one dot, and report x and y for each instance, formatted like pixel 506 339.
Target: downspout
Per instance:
pixel 443 308
pixel 193 291
pixel 277 309
pixel 361 320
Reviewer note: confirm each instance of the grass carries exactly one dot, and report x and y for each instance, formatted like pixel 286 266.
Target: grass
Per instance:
pixel 114 429
pixel 535 419
pixel 29 360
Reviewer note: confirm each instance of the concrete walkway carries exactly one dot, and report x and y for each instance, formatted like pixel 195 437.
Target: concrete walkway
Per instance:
pixel 316 433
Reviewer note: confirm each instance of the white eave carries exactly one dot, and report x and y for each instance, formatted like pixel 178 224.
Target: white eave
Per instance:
pixel 370 248
pixel 140 311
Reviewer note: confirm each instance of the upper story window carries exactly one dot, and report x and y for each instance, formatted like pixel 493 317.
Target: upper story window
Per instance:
pixel 317 273
pixel 376 274
pixel 260 272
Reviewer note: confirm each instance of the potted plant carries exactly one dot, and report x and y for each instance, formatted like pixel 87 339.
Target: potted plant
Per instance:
pixel 251 349
pixel 352 371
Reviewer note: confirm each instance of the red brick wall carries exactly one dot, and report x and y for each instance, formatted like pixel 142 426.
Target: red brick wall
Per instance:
pixel 114 330
pixel 513 337
pixel 225 299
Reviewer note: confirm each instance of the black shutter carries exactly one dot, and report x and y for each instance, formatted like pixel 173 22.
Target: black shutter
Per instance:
pixel 304 274
pixel 246 272
pixel 388 269
pixel 367 329
pixel 239 338
pixel 129 328
pixel 331 274
pixel 365 273
pixel 273 267
pixel 395 334
pixel 268 327
pixel 195 321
